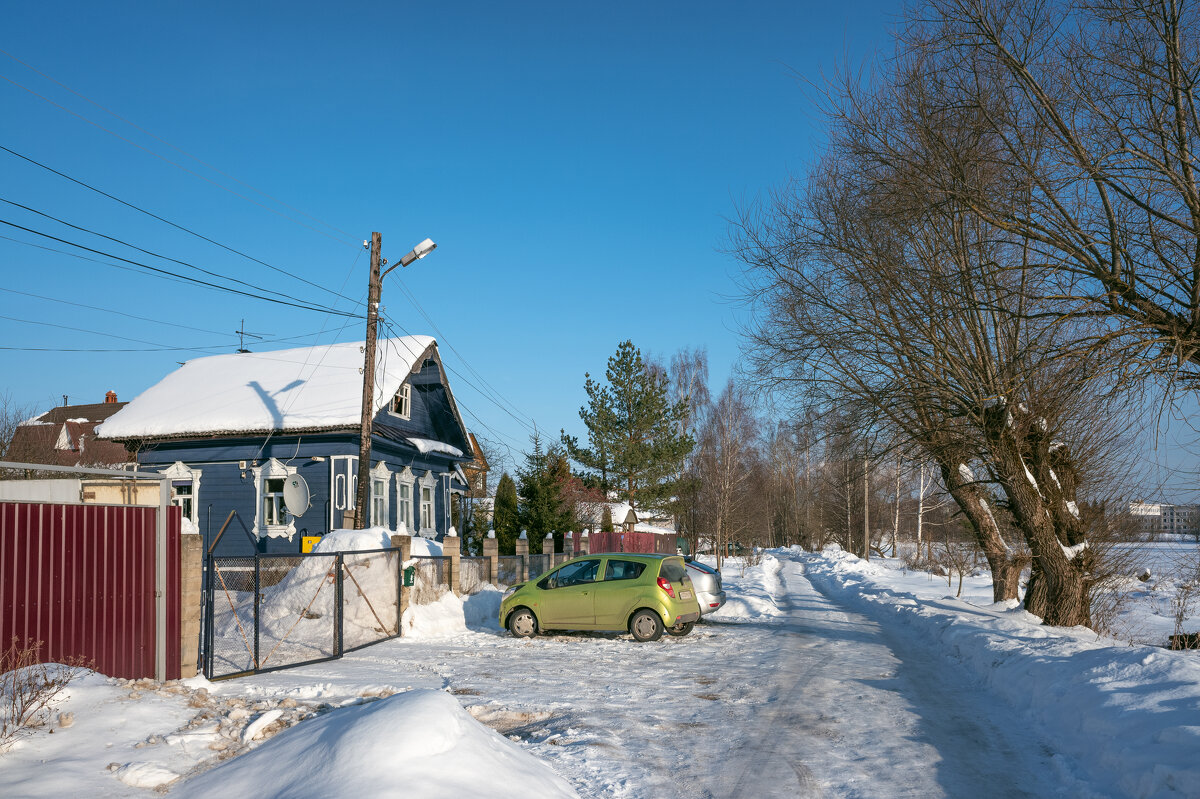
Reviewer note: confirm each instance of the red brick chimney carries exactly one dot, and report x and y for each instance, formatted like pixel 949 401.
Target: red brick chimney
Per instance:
pixel 110 397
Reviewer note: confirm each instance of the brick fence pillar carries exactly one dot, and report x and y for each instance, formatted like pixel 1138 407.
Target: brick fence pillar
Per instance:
pixel 583 543
pixel 548 549
pixel 403 545
pixel 491 551
pixel 191 599
pixel 452 548
pixel 523 554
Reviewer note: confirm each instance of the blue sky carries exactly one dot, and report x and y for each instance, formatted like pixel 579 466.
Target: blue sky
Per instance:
pixel 575 163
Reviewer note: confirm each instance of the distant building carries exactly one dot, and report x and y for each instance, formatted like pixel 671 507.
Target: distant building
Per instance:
pixel 66 436
pixel 1153 518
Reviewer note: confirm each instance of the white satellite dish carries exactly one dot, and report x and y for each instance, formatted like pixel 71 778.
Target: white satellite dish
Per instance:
pixel 296 495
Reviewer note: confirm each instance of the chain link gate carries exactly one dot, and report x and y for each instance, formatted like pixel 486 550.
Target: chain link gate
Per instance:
pixel 269 612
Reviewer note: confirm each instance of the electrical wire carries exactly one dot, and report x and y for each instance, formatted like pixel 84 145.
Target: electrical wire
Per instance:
pixel 113 311
pixel 175 225
pixel 157 271
pixel 151 253
pixel 135 126
pixel 175 164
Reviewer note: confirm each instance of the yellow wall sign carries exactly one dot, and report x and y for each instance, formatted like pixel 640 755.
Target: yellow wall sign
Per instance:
pixel 307 543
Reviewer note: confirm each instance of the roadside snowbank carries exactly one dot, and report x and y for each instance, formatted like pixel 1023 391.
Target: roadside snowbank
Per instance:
pixel 751 592
pixel 1130 713
pixel 419 743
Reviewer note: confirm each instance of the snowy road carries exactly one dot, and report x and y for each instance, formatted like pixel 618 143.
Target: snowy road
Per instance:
pixel 815 701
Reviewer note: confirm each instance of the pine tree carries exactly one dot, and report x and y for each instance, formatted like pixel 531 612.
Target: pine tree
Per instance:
pixel 634 431
pixel 504 515
pixel 606 525
pixel 543 509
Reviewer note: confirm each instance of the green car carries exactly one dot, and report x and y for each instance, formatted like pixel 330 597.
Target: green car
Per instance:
pixel 614 591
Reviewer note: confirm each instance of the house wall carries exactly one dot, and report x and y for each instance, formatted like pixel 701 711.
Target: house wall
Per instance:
pixel 225 486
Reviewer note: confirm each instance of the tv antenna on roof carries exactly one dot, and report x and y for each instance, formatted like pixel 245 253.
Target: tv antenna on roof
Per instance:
pixel 242 337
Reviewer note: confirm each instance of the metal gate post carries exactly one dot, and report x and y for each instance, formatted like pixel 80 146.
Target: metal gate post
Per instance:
pixel 209 623
pixel 339 608
pixel 257 582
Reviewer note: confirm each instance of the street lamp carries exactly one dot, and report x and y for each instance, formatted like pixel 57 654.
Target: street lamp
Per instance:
pixel 374 289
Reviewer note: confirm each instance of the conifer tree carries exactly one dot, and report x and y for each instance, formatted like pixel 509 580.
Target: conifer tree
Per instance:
pixel 543 509
pixel 504 515
pixel 636 442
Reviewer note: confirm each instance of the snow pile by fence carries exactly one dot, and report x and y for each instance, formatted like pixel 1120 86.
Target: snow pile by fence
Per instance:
pixel 1130 709
pixel 419 743
pixel 451 615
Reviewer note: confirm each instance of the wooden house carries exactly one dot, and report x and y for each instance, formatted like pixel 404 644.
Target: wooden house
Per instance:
pixel 234 431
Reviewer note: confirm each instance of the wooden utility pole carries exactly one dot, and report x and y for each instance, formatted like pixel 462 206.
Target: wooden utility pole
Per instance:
pixel 363 492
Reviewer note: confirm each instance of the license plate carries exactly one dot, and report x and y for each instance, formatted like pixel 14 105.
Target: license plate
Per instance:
pixel 685 594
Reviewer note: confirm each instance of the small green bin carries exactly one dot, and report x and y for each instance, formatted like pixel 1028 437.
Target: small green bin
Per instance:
pixel 410 576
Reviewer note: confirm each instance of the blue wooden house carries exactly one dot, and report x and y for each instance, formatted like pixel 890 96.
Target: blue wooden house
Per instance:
pixel 234 430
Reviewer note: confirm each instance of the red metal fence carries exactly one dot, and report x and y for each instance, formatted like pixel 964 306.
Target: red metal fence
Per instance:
pixel 81 580
pixel 648 543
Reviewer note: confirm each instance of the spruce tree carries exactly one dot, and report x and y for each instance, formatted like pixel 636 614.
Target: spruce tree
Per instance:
pixel 543 509
pixel 504 515
pixel 635 436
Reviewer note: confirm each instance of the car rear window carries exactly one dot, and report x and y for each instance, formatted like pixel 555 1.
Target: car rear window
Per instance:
pixel 624 570
pixel 673 570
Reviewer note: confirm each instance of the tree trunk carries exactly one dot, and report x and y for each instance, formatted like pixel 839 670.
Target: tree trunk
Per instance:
pixel 1004 565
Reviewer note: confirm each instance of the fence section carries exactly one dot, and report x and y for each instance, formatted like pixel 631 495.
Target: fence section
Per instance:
pixel 268 612
pixel 510 570
pixel 81 580
pixel 474 574
pixel 538 565
pixel 431 580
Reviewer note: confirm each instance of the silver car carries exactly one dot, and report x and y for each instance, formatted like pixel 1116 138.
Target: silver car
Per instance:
pixel 707 582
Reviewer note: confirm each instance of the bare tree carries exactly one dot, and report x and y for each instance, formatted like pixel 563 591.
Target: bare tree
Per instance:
pixel 725 467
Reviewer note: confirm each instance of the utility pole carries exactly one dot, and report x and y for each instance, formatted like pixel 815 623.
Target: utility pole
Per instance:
pixel 374 288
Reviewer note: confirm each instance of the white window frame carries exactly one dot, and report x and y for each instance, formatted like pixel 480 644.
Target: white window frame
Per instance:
pixel 271 470
pixel 381 476
pixel 428 483
pixel 404 504
pixel 179 472
pixel 402 403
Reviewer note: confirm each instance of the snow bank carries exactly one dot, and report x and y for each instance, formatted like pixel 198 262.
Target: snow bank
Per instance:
pixel 1130 711
pixel 419 743
pixel 751 592
pixel 451 615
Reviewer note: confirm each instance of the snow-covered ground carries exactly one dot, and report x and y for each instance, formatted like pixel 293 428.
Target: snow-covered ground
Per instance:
pixel 823 676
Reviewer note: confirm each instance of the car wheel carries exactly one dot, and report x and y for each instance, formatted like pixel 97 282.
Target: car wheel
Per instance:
pixel 522 623
pixel 646 626
pixel 681 629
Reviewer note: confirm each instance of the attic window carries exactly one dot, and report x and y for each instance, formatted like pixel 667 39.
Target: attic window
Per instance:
pixel 402 402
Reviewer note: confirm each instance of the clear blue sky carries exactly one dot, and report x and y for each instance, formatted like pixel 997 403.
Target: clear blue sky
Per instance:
pixel 575 163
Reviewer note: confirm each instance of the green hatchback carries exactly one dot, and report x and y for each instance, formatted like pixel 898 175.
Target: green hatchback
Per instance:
pixel 613 591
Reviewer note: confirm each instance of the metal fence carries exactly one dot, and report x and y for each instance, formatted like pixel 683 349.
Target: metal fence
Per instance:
pixel 268 612
pixel 431 580
pixel 538 565
pixel 473 574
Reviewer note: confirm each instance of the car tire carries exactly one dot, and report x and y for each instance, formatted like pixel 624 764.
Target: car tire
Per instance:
pixel 681 629
pixel 522 623
pixel 646 626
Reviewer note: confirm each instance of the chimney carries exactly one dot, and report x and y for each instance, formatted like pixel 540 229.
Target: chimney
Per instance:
pixel 110 397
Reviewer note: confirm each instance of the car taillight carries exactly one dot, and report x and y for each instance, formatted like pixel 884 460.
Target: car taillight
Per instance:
pixel 665 585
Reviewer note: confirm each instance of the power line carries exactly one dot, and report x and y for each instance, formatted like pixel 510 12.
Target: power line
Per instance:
pixel 113 311
pixel 167 143
pixel 154 269
pixel 177 165
pixel 142 250
pixel 175 225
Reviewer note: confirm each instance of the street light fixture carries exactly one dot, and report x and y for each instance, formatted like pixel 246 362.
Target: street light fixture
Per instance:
pixel 374 289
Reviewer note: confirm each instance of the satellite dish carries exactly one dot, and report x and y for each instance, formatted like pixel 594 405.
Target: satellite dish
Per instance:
pixel 296 495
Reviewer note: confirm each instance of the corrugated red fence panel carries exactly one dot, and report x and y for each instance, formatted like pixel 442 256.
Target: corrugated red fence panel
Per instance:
pixel 631 542
pixel 80 579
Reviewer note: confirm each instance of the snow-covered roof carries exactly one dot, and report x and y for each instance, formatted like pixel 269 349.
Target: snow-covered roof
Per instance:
pixel 250 392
